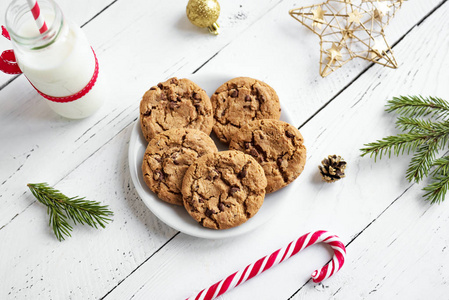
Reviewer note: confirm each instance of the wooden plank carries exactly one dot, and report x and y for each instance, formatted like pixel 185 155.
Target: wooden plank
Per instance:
pixel 184 49
pixel 374 200
pixel 25 157
pixel 86 266
pixel 97 273
pixel 403 254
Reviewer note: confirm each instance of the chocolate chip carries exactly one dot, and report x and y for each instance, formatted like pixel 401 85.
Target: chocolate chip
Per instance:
pixel 254 152
pixel 158 159
pixel 221 207
pixel 196 96
pixel 233 190
pixel 214 174
pixel 234 94
pixel 159 85
pixel 158 175
pixel 174 81
pixel 247 98
pixel 173 104
pixel 172 97
pixel 209 212
pixel 174 156
pixel 200 200
pixel 223 113
pixel 175 162
pixel 289 134
pixel 247 145
pixel 153 88
pixel 279 161
pixel 242 174
pixel 178 99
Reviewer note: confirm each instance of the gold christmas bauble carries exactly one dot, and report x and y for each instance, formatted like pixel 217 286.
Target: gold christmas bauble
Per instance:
pixel 204 13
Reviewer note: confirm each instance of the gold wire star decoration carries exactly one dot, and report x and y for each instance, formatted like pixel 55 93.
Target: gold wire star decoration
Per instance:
pixel 350 29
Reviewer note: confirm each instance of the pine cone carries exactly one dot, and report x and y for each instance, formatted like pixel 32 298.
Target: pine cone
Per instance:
pixel 333 168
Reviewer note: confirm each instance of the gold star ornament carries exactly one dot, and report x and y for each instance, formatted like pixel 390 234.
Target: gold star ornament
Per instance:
pixel 349 29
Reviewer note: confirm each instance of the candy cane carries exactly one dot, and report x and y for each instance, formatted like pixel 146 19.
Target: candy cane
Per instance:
pixel 277 257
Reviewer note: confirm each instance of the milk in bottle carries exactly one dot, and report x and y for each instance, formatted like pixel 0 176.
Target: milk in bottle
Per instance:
pixel 58 62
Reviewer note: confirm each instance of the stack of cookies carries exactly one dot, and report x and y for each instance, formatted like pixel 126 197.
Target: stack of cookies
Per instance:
pixel 219 189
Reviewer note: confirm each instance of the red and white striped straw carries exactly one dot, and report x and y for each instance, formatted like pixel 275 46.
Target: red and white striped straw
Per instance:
pixel 36 11
pixel 277 257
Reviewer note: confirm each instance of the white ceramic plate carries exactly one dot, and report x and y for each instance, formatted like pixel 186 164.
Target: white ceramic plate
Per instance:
pixel 176 216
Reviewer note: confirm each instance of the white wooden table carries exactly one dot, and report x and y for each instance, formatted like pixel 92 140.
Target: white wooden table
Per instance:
pixel 397 244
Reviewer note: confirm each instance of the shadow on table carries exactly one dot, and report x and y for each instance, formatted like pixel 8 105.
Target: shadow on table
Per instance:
pixel 184 24
pixel 135 207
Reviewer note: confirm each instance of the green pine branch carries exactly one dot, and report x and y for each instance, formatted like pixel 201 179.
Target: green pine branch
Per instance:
pixel 395 144
pixel 425 131
pixel 418 106
pixel 421 163
pixel 62 208
pixel 436 191
pixel 411 124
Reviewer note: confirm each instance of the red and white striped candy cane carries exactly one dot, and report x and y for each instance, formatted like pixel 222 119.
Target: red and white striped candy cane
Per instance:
pixel 36 11
pixel 277 257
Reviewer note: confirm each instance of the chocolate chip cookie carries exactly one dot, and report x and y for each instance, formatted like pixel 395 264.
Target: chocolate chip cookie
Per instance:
pixel 223 189
pixel 175 103
pixel 167 158
pixel 277 146
pixel 240 100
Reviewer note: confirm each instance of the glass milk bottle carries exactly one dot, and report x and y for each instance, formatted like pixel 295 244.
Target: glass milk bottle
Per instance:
pixel 59 63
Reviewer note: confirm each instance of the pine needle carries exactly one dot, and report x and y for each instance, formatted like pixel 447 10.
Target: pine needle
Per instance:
pixel 436 191
pixel 418 106
pixel 421 163
pixel 61 208
pixel 396 144
pixel 425 126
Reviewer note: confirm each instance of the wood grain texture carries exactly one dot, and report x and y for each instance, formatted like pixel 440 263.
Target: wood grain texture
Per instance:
pixel 141 70
pixel 351 207
pixel 87 265
pixel 374 210
pixel 185 52
pixel 400 255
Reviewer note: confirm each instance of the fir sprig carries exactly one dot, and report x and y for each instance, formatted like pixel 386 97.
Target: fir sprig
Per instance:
pixel 436 191
pixel 418 106
pixel 425 126
pixel 421 163
pixel 62 208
